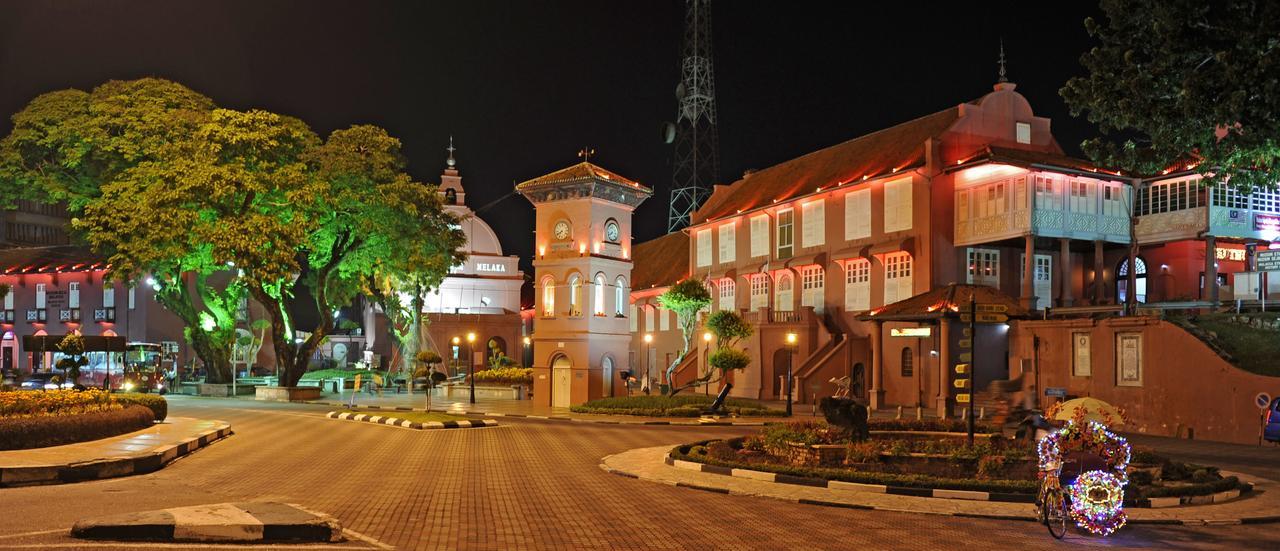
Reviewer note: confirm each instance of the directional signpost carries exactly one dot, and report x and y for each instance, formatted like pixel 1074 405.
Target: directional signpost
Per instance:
pixel 975 314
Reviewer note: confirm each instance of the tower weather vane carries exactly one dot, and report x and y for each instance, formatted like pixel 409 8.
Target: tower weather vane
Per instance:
pixel 585 154
pixel 451 149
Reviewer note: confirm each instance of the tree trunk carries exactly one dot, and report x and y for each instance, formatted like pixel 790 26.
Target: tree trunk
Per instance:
pixel 176 298
pixel 279 334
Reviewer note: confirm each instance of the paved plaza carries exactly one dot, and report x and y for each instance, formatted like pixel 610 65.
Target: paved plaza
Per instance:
pixel 527 484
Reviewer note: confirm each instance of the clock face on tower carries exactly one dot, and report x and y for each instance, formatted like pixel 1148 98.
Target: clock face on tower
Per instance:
pixel 611 231
pixel 562 229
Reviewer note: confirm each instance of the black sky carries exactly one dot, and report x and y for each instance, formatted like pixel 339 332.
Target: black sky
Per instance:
pixel 522 85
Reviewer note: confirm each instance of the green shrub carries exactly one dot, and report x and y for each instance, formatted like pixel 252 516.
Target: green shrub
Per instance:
pixel 366 374
pixel 927 425
pixel 1141 478
pixel 801 432
pixel 990 466
pixel 1146 456
pixel 1204 489
pixel 157 404
pixel 505 376
pixel 680 405
pixel 54 402
pixel 20 433
pixel 729 359
pixel 862 452
pixel 864 477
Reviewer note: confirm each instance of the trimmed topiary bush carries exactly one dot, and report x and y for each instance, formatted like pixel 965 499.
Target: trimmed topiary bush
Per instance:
pixel 157 404
pixel 20 433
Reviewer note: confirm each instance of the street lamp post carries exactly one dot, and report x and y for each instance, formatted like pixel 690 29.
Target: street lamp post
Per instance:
pixel 471 364
pixel 648 366
pixel 527 343
pixel 456 348
pixel 706 360
pixel 791 349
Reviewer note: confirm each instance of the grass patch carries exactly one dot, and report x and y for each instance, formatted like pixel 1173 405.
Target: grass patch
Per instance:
pixel 343 373
pixel 1253 350
pixel 414 416
pixel 691 405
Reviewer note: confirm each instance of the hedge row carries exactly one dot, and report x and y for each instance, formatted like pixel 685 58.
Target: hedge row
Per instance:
pixel 687 453
pixel 157 404
pixel 54 402
pixel 19 433
pixel 1202 489
pixel 689 405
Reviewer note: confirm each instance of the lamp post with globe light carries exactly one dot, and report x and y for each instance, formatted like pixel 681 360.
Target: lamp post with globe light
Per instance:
pixel 471 364
pixel 792 339
pixel 456 349
pixel 648 365
pixel 706 361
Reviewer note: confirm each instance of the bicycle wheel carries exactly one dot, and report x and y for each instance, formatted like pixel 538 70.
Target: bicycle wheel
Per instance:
pixel 1055 513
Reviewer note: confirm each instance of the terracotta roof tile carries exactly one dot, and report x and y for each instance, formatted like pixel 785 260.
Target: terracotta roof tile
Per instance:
pixel 580 171
pixel 60 258
pixel 1025 157
pixel 660 262
pixel 876 154
pixel 953 298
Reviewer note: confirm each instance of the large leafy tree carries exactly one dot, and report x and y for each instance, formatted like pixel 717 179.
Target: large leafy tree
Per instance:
pixel 364 219
pixel 1182 83
pixel 87 149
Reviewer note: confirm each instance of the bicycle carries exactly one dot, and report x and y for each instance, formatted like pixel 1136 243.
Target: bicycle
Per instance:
pixel 1051 503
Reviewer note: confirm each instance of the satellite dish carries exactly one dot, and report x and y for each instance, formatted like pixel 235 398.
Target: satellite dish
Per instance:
pixel 680 91
pixel 668 132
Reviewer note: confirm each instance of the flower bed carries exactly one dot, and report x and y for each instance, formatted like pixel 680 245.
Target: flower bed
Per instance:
pixel 672 406
pixel 931 459
pixel 505 376
pixel 19 433
pixel 54 402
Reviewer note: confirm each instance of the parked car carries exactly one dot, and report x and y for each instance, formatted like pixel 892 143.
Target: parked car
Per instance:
pixel 42 381
pixel 1271 432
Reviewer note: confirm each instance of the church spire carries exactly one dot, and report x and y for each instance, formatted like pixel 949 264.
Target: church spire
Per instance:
pixel 451 162
pixel 1003 77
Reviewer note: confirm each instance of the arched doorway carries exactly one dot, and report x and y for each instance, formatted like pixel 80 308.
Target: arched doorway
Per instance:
pixel 561 381
pixel 606 371
pixel 1139 282
pixel 8 348
pixel 780 358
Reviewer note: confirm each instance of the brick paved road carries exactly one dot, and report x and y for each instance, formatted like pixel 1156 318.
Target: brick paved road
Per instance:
pixel 524 485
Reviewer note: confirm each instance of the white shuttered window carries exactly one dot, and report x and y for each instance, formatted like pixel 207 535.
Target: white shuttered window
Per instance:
pixel 813 281
pixel 897 205
pixel 857 214
pixel 897 277
pixel 703 238
pixel 728 288
pixel 814 218
pixel 857 285
pixel 760 235
pixel 759 292
pixel 728 242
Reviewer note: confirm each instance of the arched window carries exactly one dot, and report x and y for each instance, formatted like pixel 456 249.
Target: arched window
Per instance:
pixel 575 295
pixel 1139 283
pixel 783 302
pixel 619 296
pixel 598 307
pixel 548 296
pixel 908 369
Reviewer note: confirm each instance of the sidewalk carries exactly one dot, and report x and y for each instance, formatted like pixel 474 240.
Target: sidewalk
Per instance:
pixel 134 453
pixel 649 464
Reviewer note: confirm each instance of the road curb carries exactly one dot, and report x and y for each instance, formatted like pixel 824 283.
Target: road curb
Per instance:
pixel 219 522
pixel 97 469
pixel 695 423
pixel 774 478
pixel 431 425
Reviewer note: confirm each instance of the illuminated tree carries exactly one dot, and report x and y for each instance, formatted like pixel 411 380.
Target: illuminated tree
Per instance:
pixel 365 219
pixel 685 298
pixel 728 327
pixel 70 146
pixel 1185 82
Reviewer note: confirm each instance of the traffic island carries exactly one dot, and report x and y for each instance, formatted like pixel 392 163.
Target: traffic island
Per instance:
pixel 215 523
pixel 414 420
pixel 139 452
pixel 651 464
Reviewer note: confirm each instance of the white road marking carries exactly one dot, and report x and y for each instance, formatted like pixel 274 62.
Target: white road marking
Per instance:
pixel 367 539
pixel 3 536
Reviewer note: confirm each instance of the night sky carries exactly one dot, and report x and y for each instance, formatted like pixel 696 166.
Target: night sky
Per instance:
pixel 523 85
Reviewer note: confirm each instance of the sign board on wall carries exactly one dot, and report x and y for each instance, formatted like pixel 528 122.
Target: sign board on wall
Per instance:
pixel 1266 222
pixel 1269 261
pixel 1083 366
pixel 1129 359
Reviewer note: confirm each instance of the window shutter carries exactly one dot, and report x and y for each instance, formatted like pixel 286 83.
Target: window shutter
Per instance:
pixel 897 205
pixel 728 243
pixel 814 221
pixel 704 247
pixel 760 235
pixel 857 214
